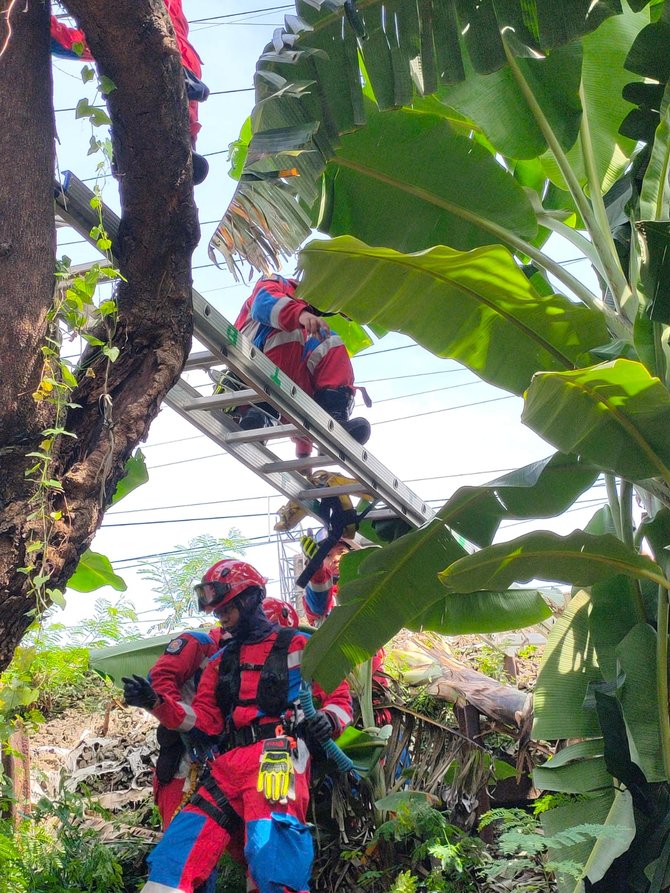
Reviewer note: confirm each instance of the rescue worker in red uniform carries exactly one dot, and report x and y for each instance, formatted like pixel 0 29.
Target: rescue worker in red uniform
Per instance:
pixel 247 708
pixel 64 39
pixel 175 676
pixel 298 341
pixel 319 600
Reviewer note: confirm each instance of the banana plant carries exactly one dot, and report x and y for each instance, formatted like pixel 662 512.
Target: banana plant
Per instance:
pixel 507 138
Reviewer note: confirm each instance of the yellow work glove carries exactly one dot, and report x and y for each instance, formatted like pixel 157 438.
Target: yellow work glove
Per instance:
pixel 309 546
pixel 275 774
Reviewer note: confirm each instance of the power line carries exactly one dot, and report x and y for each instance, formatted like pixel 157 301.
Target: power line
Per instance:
pixel 184 520
pixel 232 15
pixel 250 543
pixel 418 415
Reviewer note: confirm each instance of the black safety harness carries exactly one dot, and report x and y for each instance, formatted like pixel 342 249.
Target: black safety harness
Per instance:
pixel 271 697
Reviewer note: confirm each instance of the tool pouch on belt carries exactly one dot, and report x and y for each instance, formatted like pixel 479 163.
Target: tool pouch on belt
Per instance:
pixel 171 750
pixel 276 775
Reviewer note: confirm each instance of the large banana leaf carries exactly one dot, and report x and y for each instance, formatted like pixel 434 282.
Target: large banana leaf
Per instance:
pixel 496 103
pixel 476 307
pixel 387 589
pixel 540 490
pixel 576 769
pixel 384 187
pixel 374 606
pixel 638 697
pixel 603 81
pixel 568 667
pixel 614 414
pixel 579 559
pixel 312 74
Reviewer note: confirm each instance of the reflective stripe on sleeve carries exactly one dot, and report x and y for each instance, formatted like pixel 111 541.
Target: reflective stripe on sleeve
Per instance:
pixel 294 659
pixel 339 712
pixel 189 719
pixel 320 352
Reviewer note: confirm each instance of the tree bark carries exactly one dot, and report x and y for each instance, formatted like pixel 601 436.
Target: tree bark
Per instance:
pixel 133 43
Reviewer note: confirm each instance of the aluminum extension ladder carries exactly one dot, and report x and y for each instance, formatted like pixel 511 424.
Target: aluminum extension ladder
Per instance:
pixel 264 382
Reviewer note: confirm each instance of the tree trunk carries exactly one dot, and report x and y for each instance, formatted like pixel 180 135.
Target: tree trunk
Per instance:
pixel 134 45
pixel 461 685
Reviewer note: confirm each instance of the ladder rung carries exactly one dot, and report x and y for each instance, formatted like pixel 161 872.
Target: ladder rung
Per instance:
pixel 223 401
pixel 201 359
pixel 297 464
pixel 256 434
pixel 342 490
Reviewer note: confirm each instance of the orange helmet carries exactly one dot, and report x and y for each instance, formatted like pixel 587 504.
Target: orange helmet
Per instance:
pixel 280 612
pixel 224 581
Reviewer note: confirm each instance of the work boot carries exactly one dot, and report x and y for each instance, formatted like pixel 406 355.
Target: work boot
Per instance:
pixel 200 168
pixel 261 416
pixel 339 402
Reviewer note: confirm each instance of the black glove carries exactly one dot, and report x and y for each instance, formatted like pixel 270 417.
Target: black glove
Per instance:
pixel 201 746
pixel 321 727
pixel 137 692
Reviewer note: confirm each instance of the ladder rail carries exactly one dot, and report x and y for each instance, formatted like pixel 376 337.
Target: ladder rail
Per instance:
pixel 225 345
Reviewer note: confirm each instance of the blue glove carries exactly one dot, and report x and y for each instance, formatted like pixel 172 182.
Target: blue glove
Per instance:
pixel 137 692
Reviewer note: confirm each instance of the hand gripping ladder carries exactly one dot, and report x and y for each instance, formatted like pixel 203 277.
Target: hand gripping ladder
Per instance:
pixel 263 382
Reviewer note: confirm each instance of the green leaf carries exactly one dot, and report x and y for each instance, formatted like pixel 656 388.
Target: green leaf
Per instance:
pixel 540 490
pixel 638 696
pixel 57 597
pixel 87 74
pixel 112 353
pixel 475 307
pixel 355 337
pixel 107 85
pixel 93 572
pixel 578 769
pixel 135 475
pixel 654 241
pixel 392 586
pixel 395 801
pixel 495 102
pixel 568 666
pixel 462 202
pixel 483 612
pixel 603 81
pixel 614 414
pixel 127 658
pixel 363 748
pixel 579 559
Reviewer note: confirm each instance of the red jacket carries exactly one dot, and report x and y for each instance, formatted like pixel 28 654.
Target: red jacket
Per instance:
pixel 63 37
pixel 206 710
pixel 176 673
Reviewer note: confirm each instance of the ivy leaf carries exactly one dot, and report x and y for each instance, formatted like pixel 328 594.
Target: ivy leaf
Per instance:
pixel 107 85
pixel 87 74
pixel 112 353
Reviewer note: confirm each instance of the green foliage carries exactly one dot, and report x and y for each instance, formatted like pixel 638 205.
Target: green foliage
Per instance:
pixel 44 681
pixel 427 832
pixel 522 846
pixel 111 622
pixel 53 851
pixel 174 575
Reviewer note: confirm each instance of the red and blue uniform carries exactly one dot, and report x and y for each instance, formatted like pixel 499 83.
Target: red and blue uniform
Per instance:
pixel 270 319
pixel 64 38
pixel 278 844
pixel 175 677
